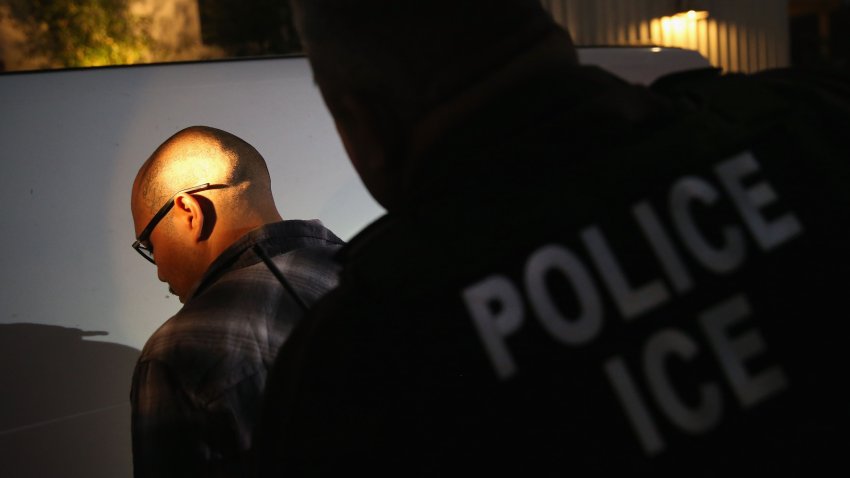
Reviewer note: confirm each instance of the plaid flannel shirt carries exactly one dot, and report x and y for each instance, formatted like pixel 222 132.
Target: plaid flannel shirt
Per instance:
pixel 199 381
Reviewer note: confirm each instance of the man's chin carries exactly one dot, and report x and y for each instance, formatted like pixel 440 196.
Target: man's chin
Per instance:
pixel 179 297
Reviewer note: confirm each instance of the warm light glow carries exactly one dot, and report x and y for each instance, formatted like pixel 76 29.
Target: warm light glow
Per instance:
pixel 681 30
pixel 694 15
pixel 655 49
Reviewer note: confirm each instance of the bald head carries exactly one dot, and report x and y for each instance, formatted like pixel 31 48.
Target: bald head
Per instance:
pixel 203 223
pixel 201 154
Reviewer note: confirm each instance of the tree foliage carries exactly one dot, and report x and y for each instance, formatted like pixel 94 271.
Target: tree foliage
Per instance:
pixel 77 33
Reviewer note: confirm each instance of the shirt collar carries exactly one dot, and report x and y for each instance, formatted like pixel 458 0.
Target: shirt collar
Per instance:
pixel 276 238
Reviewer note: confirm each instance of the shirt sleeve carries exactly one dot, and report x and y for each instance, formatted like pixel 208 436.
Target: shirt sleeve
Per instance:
pixel 167 429
pixel 177 433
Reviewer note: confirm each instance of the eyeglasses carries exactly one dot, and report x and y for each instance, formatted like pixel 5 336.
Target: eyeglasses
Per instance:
pixel 142 246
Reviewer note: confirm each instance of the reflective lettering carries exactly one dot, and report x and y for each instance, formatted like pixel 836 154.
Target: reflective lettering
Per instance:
pixel 663 247
pixel 496 309
pixel 630 301
pixel 733 351
pixel 660 347
pixel 750 200
pixel 636 411
pixel 721 260
pixel 570 331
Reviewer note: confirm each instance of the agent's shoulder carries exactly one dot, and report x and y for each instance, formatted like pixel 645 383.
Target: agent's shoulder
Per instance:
pixel 766 92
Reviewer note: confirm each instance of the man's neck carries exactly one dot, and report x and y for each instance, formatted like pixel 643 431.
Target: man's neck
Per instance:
pixel 223 239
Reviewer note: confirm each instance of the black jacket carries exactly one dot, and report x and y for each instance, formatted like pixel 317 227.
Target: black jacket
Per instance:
pixel 591 276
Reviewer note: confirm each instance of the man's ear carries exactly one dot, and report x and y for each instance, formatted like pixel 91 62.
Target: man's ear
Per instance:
pixel 189 216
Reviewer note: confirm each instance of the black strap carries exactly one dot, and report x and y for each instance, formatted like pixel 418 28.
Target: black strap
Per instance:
pixel 258 249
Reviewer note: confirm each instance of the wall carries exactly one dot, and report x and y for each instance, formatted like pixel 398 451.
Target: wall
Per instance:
pixel 739 35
